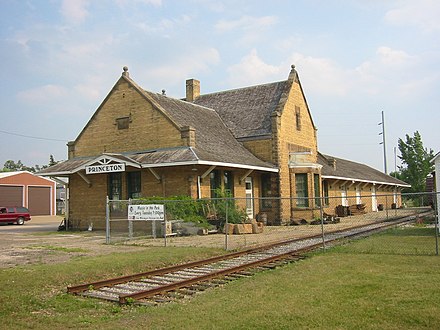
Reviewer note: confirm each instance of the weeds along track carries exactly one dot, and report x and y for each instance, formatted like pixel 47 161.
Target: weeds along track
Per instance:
pixel 180 281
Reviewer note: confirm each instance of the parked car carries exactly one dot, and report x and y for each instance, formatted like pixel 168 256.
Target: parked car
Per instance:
pixel 14 214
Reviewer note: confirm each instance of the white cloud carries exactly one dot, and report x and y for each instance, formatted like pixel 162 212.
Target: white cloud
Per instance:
pixel 163 25
pixel 423 14
pixel 43 95
pixel 246 23
pixel 323 75
pixel 393 57
pixel 187 65
pixel 123 3
pixel 251 70
pixel 75 11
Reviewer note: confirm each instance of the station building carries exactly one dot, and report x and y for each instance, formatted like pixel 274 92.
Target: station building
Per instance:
pixel 257 141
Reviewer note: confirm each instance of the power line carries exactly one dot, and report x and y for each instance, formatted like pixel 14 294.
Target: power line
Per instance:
pixel 32 137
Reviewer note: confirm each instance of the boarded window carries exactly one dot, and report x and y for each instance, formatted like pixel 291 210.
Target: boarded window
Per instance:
pixel 123 122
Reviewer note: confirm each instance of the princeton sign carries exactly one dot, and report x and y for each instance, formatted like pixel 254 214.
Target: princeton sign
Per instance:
pixel 146 212
pixel 108 168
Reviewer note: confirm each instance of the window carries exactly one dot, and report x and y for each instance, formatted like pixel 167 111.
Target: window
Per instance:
pixel 134 184
pixel 228 180
pixel 266 190
pixel 317 190
pixel 114 186
pixel 325 189
pixel 221 180
pixel 215 181
pixel 302 193
pixel 298 118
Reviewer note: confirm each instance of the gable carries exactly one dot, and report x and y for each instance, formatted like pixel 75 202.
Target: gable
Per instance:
pixel 24 178
pixel 126 121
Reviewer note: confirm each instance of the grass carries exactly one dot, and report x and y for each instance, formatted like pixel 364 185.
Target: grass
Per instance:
pixel 56 248
pixel 346 287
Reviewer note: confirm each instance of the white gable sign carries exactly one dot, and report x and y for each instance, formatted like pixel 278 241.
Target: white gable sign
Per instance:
pixel 105 166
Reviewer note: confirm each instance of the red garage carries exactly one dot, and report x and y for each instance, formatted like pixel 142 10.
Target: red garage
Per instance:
pixel 23 188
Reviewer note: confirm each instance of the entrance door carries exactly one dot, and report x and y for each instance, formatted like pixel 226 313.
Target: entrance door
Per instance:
pixel 373 199
pixel 344 199
pixel 249 198
pixel 358 195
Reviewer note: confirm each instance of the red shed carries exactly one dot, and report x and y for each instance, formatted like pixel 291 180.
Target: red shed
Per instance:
pixel 23 188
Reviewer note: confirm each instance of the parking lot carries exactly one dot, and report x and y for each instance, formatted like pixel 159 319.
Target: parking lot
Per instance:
pixel 38 241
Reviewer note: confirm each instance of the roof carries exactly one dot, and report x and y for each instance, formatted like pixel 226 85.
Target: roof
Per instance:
pixel 178 156
pixel 349 170
pixel 8 174
pixel 214 141
pixel 246 111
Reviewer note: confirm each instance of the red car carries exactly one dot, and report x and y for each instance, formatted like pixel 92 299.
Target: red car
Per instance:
pixel 14 214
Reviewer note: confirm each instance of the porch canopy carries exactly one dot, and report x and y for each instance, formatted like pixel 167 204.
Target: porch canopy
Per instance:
pixel 165 157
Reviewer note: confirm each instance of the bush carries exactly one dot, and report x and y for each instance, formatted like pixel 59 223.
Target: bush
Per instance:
pixel 180 208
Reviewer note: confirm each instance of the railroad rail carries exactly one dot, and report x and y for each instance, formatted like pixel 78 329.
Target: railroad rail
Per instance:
pixel 171 283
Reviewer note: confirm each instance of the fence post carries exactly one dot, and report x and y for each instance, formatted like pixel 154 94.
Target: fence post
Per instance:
pixel 107 221
pixel 322 222
pixel 386 205
pixel 226 225
pixel 436 221
pixel 130 223
pixel 165 224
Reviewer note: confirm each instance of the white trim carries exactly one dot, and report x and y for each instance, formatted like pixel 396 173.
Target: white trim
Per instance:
pixel 192 162
pixel 204 162
pixel 366 181
pixel 306 165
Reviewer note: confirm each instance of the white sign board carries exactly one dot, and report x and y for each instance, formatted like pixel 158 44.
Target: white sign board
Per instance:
pixel 109 168
pixel 146 212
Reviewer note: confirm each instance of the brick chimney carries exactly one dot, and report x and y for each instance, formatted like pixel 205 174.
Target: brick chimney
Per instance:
pixel 192 90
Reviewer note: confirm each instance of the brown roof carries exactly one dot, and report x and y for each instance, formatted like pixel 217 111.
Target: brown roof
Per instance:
pixel 346 169
pixel 246 111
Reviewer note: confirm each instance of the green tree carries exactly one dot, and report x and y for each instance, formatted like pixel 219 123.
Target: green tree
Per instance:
pixel 416 162
pixel 11 166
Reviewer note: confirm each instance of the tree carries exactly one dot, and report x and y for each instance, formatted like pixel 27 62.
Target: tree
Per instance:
pixel 11 166
pixel 416 162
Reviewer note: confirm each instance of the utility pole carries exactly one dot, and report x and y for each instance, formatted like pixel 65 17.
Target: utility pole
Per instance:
pixel 383 143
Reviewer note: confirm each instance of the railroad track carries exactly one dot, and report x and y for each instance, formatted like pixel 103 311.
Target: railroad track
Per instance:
pixel 175 282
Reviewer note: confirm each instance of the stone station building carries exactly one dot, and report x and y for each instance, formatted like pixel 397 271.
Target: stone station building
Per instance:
pixel 257 141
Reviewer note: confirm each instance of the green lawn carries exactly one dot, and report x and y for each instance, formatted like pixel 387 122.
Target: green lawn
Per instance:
pixel 349 287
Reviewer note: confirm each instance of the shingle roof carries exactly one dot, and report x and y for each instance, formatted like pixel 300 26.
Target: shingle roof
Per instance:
pixel 346 169
pixel 214 141
pixel 246 111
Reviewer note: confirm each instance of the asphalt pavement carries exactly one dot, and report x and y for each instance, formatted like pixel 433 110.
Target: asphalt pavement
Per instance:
pixel 40 223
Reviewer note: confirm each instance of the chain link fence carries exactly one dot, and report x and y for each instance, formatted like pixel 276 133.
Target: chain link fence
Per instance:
pixel 233 223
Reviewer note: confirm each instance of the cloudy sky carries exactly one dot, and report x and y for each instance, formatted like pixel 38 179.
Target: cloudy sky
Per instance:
pixel 355 58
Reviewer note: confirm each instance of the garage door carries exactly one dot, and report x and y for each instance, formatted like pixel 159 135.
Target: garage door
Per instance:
pixel 11 196
pixel 39 200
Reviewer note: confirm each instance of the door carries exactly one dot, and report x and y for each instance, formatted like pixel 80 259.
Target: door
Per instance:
pixel 358 195
pixel 11 196
pixel 344 199
pixel 373 199
pixel 249 198
pixel 39 200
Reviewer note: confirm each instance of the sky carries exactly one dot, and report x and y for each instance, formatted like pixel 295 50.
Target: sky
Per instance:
pixel 355 58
